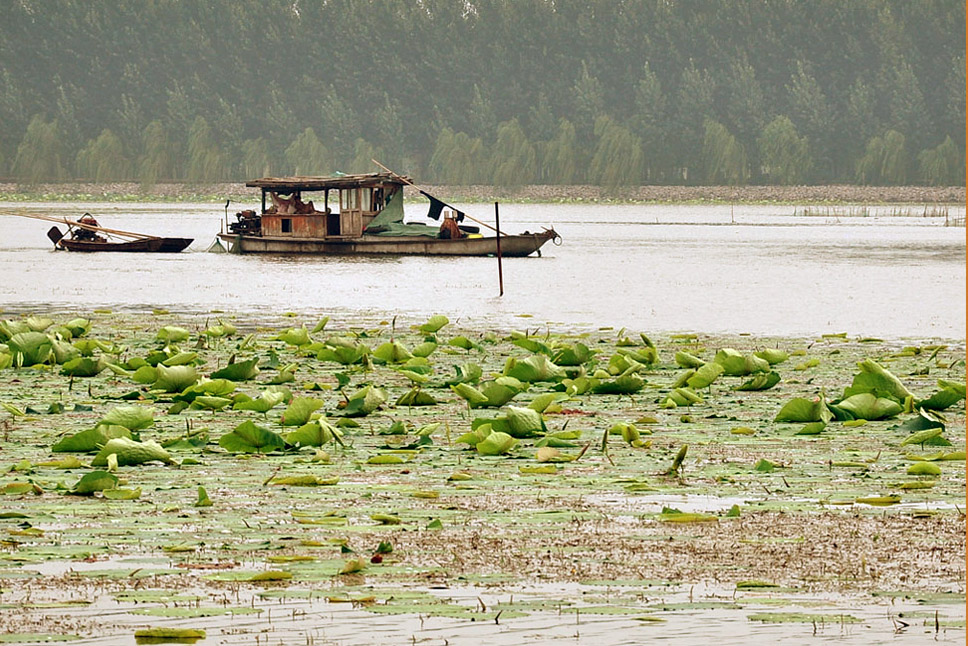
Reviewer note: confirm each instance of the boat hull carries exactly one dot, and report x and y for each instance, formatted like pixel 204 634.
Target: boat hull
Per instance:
pixel 147 245
pixel 511 245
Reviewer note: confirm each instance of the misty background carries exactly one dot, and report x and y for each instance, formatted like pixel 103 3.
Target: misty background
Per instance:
pixel 502 92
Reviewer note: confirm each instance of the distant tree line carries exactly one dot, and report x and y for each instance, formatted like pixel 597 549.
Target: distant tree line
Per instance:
pixel 507 92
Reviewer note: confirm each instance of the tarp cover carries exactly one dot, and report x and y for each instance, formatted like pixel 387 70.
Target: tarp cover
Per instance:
pixel 389 221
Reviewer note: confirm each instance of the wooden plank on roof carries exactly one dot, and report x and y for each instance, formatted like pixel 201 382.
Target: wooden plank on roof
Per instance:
pixel 298 183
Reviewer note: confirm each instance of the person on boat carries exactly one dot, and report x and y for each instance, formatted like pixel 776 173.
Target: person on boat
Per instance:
pixel 82 233
pixel 449 229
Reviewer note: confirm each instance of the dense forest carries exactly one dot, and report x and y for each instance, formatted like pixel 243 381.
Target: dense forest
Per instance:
pixel 507 92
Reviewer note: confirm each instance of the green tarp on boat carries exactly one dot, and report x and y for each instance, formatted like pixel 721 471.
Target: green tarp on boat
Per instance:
pixel 389 221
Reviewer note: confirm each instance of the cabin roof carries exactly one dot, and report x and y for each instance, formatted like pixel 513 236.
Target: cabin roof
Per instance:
pixel 289 184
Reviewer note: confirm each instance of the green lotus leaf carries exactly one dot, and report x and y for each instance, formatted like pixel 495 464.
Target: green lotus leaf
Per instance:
pixel 6 360
pixel 9 328
pixel 542 402
pixel 705 375
pixel 180 359
pixel 532 345
pixel 496 443
pixel 295 336
pixel 921 437
pixel 78 327
pixel 122 494
pixel 630 434
pixel 812 428
pixel 266 401
pixel 685 360
pixel 172 334
pixel 38 323
pixel 249 438
pixel 500 391
pixel 83 367
pixel 30 348
pixel 63 351
pixel 924 469
pixel 624 385
pixel 761 381
pixel 164 635
pixel 469 373
pixel 132 417
pixel 800 409
pixel 772 356
pixel 870 407
pixel 572 355
pixel 210 402
pixel 315 433
pixel 90 440
pixel 175 379
pixel 239 371
pixel 424 349
pixel 535 368
pixel 477 435
pixel 203 499
pixel 525 422
pixel 392 352
pixel 299 411
pixel 213 387
pixel 343 354
pixel 473 396
pixel 145 375
pixel 463 342
pixel 434 324
pixel 736 364
pixel 878 381
pixel 416 397
pixel 95 481
pixel 944 398
pixel 131 453
pixel 364 401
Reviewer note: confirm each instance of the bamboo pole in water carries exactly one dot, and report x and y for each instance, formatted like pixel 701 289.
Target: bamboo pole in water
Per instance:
pixel 83 225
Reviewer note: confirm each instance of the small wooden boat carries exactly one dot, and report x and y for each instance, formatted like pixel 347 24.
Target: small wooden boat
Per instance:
pixel 86 235
pixel 366 218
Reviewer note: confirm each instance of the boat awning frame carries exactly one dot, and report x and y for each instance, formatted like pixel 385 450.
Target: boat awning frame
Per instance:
pixel 288 185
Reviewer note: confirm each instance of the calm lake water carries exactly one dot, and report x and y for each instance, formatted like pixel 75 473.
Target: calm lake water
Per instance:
pixel 651 268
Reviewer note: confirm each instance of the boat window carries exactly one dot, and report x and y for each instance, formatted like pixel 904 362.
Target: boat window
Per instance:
pixel 366 199
pixel 287 225
pixel 349 199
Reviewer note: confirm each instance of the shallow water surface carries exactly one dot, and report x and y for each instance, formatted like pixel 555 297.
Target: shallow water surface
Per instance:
pixel 756 269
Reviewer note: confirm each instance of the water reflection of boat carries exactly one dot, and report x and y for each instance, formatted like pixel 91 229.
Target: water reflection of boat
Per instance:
pixel 366 217
pixel 85 234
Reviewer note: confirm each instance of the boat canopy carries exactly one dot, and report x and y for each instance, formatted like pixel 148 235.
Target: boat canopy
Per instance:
pixel 288 185
pixel 389 222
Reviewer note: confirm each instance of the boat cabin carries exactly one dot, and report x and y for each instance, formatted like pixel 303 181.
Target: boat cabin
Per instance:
pixel 321 207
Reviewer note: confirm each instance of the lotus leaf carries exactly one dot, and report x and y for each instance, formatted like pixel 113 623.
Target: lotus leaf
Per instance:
pixel 800 409
pixel 238 371
pixel 630 434
pixel 473 396
pixel 416 397
pixel 145 375
pixel 180 359
pixel 131 453
pixel 133 417
pixel 295 336
pixel 572 355
pixel 496 443
pixel 878 381
pixel 78 327
pixel 122 494
pixel 525 422
pixel 813 428
pixel 772 356
pixel 424 349
pixel 299 411
pixel 30 348
pixel 210 402
pixel 95 481
pixel 364 401
pixel 764 466
pixel 344 354
pixel 476 436
pixel 684 397
pixel 761 381
pixel 315 433
pixel 922 437
pixel 868 406
pixel 542 402
pixel 266 401
pixel 537 367
pixel 737 365
pixel 463 342
pixel 6 360
pixel 392 352
pixel 63 352
pixel 948 396
pixel 172 334
pixel 249 438
pixel 434 324
pixel 175 379
pixel 624 385
pixel 686 360
pixel 385 458
pixel 83 367
pixel 924 469
pixel 705 375
pixel 90 440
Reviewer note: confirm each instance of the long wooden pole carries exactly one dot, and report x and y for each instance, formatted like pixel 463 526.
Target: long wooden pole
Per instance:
pixel 500 272
pixel 407 181
pixel 83 225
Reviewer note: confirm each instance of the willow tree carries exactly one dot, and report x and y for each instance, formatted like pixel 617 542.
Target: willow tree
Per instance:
pixel 157 161
pixel 618 159
pixel 515 161
pixel 457 158
pixel 103 159
pixel 558 158
pixel 205 159
pixel 363 155
pixel 940 166
pixel 723 158
pixel 307 155
pixel 40 156
pixel 256 158
pixel 784 154
pixel 884 161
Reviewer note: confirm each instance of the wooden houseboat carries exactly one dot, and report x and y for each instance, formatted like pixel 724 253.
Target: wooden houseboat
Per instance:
pixel 360 214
